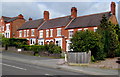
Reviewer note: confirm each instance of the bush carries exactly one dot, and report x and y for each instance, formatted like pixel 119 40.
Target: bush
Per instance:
pixel 17 42
pixel 54 49
pixel 117 52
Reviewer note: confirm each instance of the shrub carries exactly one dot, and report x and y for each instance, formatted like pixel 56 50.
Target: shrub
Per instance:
pixel 53 48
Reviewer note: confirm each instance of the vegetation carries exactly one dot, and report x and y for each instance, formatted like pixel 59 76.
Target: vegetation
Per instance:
pixel 83 41
pixel 109 37
pixel 51 48
pixel 17 42
pixel 103 43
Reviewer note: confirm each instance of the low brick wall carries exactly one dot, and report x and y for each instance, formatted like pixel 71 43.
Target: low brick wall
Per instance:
pixel 41 53
pixel 44 53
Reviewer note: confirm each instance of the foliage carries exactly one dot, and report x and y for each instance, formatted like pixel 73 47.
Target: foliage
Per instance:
pixel 5 41
pixel 117 52
pixel 51 48
pixel 83 41
pixel 17 42
pixel 117 28
pixel 38 48
pixel 109 37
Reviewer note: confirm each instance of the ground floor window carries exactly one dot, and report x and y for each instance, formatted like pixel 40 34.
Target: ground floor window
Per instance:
pixel 32 41
pixel 40 42
pixel 68 42
pixel 58 42
pixel 7 34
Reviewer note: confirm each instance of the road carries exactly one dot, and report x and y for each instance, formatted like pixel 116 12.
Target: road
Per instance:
pixel 19 68
pixel 10 67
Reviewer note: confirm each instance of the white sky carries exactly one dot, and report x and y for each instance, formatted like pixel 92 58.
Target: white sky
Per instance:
pixel 57 8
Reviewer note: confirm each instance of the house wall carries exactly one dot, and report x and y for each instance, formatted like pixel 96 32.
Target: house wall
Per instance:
pixel 16 25
pixel 30 34
pixel 2 24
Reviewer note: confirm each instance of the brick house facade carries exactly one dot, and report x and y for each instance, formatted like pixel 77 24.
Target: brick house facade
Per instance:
pixel 9 25
pixel 59 30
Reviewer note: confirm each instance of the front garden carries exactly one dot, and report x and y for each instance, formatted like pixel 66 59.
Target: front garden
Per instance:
pixel 21 46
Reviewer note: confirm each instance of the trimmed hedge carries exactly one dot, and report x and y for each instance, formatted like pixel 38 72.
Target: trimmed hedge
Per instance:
pixel 39 48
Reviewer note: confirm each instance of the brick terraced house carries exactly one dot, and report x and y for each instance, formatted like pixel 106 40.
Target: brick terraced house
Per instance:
pixel 59 30
pixel 9 25
pixel 29 29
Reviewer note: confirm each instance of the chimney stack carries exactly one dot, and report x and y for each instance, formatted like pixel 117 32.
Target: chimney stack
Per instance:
pixel 46 15
pixel 73 12
pixel 30 19
pixel 20 16
pixel 113 6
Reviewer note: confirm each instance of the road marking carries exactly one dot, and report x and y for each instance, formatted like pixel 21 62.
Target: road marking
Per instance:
pixel 47 74
pixel 13 66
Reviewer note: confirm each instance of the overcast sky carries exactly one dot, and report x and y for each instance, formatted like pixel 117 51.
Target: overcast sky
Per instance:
pixel 58 8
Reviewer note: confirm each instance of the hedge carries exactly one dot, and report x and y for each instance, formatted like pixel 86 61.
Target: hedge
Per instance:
pixel 39 48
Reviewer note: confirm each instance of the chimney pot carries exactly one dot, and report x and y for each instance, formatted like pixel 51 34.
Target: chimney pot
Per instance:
pixel 73 12
pixel 113 6
pixel 20 16
pixel 46 15
pixel 30 19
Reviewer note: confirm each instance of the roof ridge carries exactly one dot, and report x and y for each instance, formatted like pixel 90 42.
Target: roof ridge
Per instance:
pixel 59 17
pixel 93 14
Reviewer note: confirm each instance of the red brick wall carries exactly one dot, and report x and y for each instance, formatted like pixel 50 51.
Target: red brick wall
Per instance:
pixel 16 25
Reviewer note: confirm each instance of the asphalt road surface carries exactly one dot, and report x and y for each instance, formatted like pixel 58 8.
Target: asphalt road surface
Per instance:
pixel 19 68
pixel 11 67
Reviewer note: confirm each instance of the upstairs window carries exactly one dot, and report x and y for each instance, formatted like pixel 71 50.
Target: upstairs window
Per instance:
pixel 58 31
pixel 20 33
pixel 79 29
pixel 0 28
pixel 41 33
pixel 24 33
pixel 27 33
pixel 32 32
pixel 71 33
pixel 47 33
pixel 7 26
pixel 51 32
pixel 85 29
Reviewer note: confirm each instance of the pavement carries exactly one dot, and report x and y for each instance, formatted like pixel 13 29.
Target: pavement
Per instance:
pixel 59 64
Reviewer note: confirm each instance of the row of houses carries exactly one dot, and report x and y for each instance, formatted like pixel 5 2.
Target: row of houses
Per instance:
pixel 57 31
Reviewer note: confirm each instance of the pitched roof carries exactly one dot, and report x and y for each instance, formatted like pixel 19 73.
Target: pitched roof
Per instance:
pixel 9 19
pixel 56 22
pixel 87 20
pixel 31 24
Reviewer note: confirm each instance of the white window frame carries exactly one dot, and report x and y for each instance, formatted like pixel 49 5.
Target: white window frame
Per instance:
pixel 51 32
pixel 95 28
pixel 20 33
pixel 69 33
pixel 1 20
pixel 68 42
pixel 40 41
pixel 32 31
pixel 8 26
pixel 33 40
pixel 85 29
pixel 58 39
pixel 2 28
pixel 25 33
pixel 79 29
pixel 47 33
pixel 59 29
pixel 41 34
